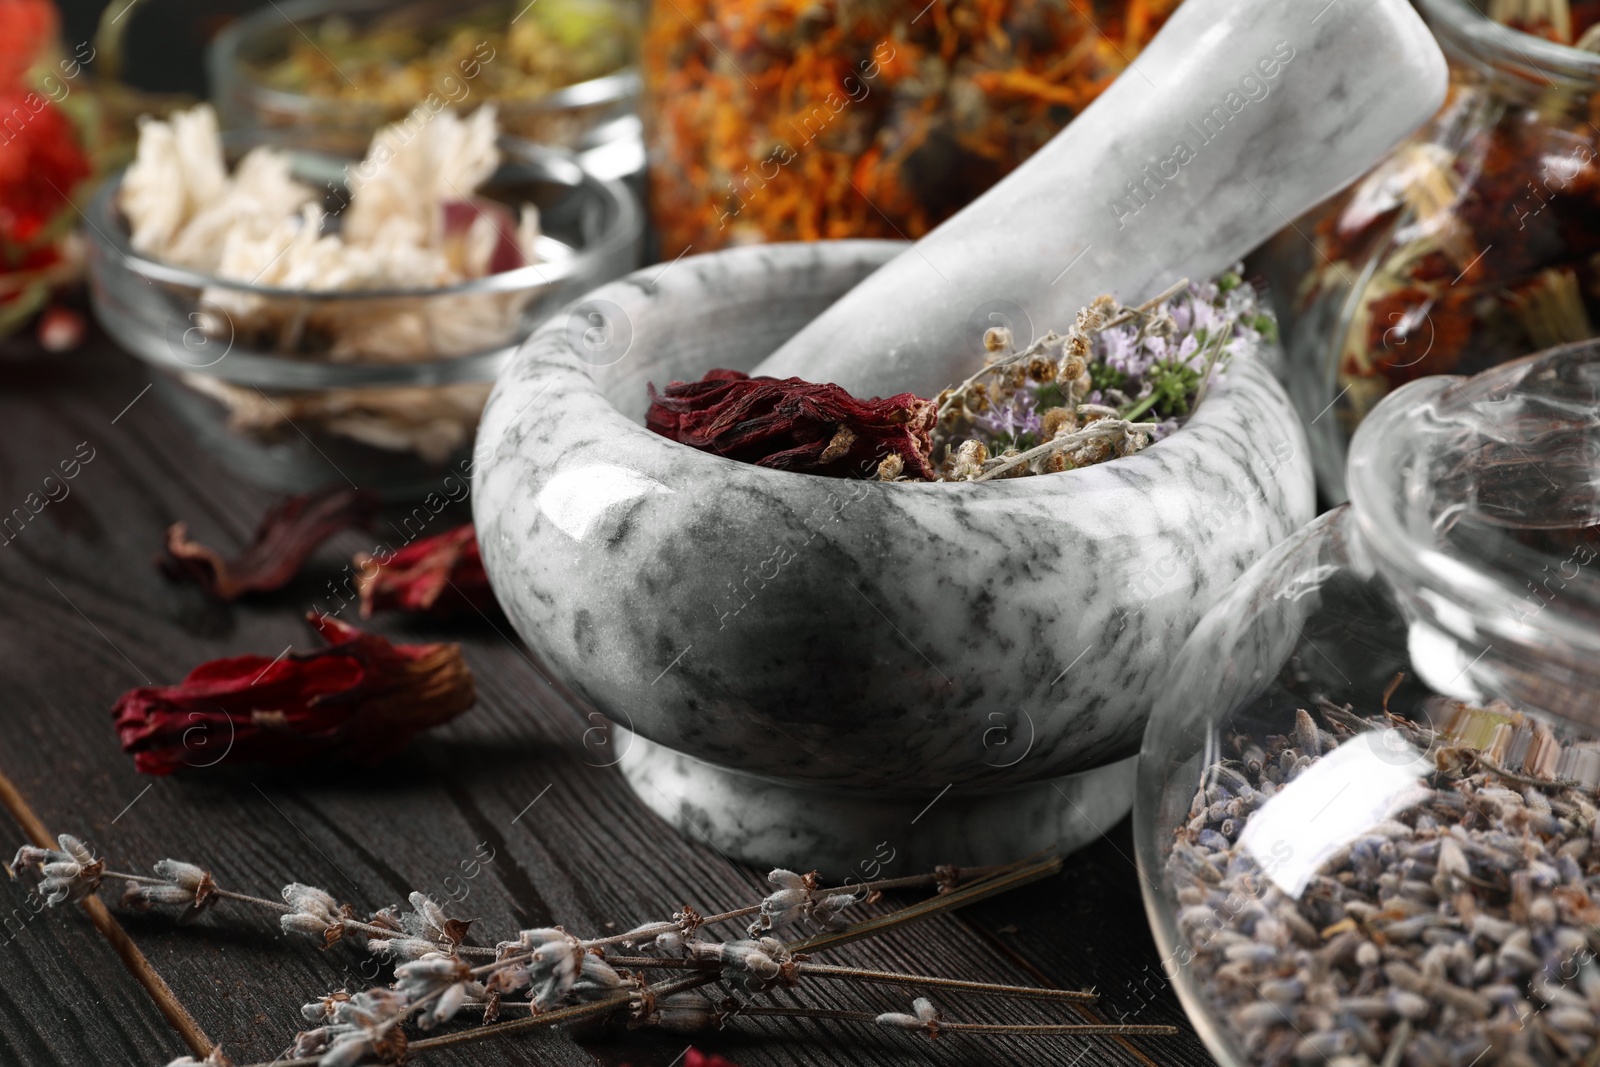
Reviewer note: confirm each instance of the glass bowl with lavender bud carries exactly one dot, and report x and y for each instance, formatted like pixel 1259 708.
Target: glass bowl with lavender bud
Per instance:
pixel 1367 815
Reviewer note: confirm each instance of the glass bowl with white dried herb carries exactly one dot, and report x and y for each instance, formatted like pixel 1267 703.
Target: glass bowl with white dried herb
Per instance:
pixel 1368 821
pixel 560 72
pixel 317 318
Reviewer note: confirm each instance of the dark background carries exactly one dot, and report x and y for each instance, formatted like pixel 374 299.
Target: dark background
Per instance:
pixel 164 41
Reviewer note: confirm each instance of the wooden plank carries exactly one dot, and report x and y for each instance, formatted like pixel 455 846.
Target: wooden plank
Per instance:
pixel 87 616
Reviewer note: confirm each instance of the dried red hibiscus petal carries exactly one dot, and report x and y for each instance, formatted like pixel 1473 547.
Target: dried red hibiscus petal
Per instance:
pixel 696 1058
pixel 795 425
pixel 438 575
pixel 360 699
pixel 287 534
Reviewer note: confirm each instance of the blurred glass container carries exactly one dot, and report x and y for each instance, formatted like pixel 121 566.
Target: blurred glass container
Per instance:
pixel 768 120
pixel 1474 243
pixel 560 72
pixel 276 403
pixel 1366 817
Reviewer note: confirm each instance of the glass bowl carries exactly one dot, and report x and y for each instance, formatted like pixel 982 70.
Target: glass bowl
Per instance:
pixel 1472 244
pixel 596 118
pixel 283 408
pixel 1366 816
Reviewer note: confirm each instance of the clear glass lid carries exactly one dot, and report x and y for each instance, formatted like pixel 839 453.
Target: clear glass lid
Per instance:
pixel 1479 500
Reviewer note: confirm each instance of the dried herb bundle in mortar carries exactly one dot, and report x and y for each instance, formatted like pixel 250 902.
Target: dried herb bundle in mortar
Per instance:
pixel 1119 379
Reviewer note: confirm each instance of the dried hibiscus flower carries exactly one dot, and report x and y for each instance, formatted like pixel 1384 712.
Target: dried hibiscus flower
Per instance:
pixel 439 575
pixel 287 534
pixel 361 698
pixel 794 425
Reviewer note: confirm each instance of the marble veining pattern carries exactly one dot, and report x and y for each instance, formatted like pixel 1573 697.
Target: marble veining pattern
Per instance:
pixel 851 634
pixel 805 828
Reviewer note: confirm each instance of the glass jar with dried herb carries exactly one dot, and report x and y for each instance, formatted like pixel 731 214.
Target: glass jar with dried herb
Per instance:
pixel 771 120
pixel 1472 244
pixel 1367 812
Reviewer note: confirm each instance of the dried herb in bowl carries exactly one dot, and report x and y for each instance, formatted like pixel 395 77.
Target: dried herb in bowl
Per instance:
pixel 502 51
pixel 1119 379
pixel 771 121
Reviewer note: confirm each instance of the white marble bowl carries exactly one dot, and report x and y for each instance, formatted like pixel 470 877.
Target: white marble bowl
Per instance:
pixel 851 642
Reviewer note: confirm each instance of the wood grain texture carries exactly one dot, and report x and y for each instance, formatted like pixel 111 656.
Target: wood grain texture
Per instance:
pixel 86 615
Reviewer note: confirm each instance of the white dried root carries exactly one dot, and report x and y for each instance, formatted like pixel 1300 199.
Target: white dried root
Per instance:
pixel 412 224
pixel 432 421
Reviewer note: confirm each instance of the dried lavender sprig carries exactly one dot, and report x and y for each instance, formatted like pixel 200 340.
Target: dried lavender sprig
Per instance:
pixel 607 1005
pixel 944 876
pixel 1117 428
pixel 224 894
pixel 930 1022
pixel 824 970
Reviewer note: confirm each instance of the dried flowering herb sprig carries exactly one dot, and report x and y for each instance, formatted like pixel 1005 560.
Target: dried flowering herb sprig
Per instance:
pixel 285 537
pixel 556 976
pixel 1075 399
pixel 361 698
pixel 1062 402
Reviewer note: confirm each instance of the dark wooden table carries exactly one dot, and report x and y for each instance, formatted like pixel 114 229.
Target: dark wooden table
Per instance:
pixel 86 615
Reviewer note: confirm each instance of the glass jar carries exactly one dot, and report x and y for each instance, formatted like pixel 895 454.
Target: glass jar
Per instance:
pixel 769 120
pixel 559 73
pixel 1472 244
pixel 1366 819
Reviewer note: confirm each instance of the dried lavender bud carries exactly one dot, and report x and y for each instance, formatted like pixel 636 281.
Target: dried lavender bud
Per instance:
pixel 402 948
pixel 444 980
pixel 66 875
pixel 560 967
pixel 140 897
pixel 1306 734
pixel 926 1018
pixel 759 964
pixel 365 1027
pixel 786 905
pixel 187 885
pixel 683 1013
pixel 428 922
pixel 312 912
pixel 215 1058
pixel 322 1010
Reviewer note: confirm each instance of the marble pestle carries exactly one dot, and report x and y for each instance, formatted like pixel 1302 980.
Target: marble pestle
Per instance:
pixel 1237 117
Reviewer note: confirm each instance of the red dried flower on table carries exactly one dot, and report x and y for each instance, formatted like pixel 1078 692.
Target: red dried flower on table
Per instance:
pixel 794 425
pixel 25 27
pixel 287 534
pixel 696 1058
pixel 439 575
pixel 40 166
pixel 361 699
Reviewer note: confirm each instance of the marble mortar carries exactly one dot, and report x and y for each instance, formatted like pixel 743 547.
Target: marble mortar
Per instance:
pixel 803 668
